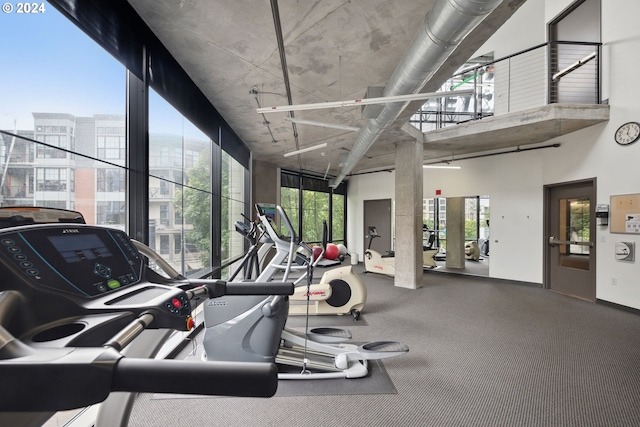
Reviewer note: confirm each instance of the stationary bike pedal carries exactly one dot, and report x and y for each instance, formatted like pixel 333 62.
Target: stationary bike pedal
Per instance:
pixel 329 335
pixel 382 349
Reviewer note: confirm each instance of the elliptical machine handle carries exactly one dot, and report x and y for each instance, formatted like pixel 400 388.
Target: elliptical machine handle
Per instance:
pixel 287 223
pixel 325 234
pixel 259 288
pixel 217 288
pixel 242 379
pixel 153 256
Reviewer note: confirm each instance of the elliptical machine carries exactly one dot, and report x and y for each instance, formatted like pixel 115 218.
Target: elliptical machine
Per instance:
pixel 252 328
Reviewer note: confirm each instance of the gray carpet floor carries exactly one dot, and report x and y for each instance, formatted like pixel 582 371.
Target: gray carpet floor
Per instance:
pixel 483 352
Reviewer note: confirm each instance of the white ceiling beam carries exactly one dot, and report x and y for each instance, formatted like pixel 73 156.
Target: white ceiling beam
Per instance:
pixel 364 101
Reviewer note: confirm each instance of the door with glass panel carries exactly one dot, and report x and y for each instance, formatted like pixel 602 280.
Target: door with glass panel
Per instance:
pixel 570 256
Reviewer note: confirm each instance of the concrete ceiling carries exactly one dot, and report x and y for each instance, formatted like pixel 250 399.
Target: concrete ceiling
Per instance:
pixel 334 50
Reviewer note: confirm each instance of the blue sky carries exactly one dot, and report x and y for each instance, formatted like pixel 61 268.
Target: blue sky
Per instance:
pixel 49 65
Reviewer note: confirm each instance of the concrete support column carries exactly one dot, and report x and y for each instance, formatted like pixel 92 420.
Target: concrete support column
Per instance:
pixel 408 215
pixel 455 232
pixel 265 184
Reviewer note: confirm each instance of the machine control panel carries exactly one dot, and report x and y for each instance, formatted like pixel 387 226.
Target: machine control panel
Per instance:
pixel 178 305
pixel 78 259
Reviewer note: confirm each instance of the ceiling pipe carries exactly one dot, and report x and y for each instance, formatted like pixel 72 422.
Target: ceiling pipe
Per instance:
pixel 444 27
pixel 476 156
pixel 275 12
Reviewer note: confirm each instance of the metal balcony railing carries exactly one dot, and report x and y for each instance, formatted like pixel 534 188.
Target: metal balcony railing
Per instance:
pixel 553 72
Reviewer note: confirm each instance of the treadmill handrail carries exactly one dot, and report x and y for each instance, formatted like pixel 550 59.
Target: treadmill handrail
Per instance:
pixel 37 379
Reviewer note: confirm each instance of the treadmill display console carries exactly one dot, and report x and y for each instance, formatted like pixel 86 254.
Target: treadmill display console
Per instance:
pixel 82 260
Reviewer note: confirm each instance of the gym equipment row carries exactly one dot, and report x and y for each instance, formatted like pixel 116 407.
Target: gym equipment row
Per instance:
pixel 254 328
pixel 75 296
pixel 82 314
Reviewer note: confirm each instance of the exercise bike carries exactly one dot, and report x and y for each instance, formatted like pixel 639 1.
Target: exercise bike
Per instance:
pixel 252 329
pixel 374 262
pixel 75 299
pixel 340 290
pixel 472 251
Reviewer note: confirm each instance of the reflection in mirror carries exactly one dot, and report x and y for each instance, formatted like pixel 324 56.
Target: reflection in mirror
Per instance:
pixel 476 233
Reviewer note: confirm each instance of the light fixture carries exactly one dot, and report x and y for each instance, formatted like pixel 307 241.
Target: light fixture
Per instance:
pixel 327 171
pixel 304 150
pixel 440 167
pixel 364 101
pixel 322 124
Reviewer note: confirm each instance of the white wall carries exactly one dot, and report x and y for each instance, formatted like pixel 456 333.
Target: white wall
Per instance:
pixel 524 24
pixel 553 8
pixel 516 218
pixel 514 182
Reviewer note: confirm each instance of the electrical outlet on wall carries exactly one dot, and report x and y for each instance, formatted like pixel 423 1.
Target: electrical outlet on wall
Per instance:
pixel 614 281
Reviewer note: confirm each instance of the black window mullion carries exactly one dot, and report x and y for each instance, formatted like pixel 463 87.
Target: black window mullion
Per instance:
pixel 138 158
pixel 300 207
pixel 216 208
pixel 330 220
pixel 477 218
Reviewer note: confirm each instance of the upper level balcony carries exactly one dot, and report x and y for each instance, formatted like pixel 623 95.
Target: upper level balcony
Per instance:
pixel 526 98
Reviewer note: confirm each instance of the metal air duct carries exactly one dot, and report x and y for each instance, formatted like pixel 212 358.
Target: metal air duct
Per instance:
pixel 445 26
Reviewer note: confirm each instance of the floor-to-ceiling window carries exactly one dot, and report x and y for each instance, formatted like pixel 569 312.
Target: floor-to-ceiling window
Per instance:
pixel 232 207
pixel 63 95
pixel 309 201
pixel 290 198
pixel 338 217
pixel 74 109
pixel 180 197
pixel 315 210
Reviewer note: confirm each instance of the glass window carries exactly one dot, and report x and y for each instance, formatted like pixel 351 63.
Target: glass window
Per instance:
pixel 318 200
pixel 471 218
pixel 111 213
pixel 45 91
pixel 177 243
pixel 233 206
pixel 428 213
pixel 111 180
pixel 483 240
pixel 51 179
pixel 575 219
pixel 164 215
pixel 290 203
pixel 435 217
pixel 179 190
pixel 315 209
pixel 164 244
pixel 338 219
pixel 111 147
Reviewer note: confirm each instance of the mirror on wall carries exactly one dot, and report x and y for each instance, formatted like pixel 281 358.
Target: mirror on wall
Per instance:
pixel 476 235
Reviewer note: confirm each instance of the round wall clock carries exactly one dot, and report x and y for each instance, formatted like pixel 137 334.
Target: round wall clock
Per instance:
pixel 628 133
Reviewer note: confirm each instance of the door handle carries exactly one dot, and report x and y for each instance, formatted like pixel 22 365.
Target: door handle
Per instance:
pixel 553 242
